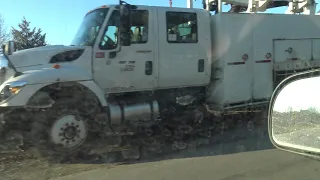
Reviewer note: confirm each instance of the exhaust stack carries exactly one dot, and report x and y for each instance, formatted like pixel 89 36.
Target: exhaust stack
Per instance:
pixel 189 3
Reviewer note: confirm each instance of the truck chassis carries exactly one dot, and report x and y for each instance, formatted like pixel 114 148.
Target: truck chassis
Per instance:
pixel 176 128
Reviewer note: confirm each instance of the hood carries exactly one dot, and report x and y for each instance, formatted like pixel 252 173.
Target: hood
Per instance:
pixel 51 75
pixel 39 55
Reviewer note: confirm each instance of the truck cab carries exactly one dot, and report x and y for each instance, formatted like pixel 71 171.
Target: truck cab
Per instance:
pixel 169 48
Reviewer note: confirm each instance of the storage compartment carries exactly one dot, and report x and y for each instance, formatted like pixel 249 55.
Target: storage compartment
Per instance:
pixel 271 42
pixel 292 50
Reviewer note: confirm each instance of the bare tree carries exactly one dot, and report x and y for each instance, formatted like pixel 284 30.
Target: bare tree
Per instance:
pixel 4 35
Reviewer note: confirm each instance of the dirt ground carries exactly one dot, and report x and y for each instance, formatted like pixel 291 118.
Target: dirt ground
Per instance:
pixel 25 166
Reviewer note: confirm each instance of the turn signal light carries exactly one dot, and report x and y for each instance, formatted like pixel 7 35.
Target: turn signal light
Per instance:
pixel 56 66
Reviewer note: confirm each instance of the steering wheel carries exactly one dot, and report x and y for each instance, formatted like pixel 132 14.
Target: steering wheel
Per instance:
pixel 109 42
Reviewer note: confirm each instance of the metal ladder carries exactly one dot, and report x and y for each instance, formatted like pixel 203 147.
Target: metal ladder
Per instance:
pixel 307 7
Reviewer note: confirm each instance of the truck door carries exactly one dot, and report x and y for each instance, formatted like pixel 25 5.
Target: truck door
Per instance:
pixel 184 47
pixel 131 68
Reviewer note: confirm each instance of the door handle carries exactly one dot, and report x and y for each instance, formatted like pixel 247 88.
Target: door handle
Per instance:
pixel 143 51
pixel 148 70
pixel 200 65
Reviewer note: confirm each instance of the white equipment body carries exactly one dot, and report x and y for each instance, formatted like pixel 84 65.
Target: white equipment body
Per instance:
pixel 266 39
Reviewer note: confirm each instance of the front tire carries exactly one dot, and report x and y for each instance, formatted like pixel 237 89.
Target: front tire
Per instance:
pixel 61 132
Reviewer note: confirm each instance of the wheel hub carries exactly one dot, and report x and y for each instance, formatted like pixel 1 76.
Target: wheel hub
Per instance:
pixel 68 131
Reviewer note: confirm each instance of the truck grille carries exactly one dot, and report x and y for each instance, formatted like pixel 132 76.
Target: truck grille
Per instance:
pixel 5 74
pixel 3 78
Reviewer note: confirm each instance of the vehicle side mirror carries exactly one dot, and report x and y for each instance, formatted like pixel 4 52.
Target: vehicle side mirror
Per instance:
pixel 9 48
pixel 294 114
pixel 125 24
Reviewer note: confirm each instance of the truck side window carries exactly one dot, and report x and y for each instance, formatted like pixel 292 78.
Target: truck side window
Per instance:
pixel 182 27
pixel 109 39
pixel 139 28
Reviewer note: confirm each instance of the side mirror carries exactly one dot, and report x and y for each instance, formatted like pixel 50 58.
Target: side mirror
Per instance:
pixel 294 114
pixel 125 24
pixel 9 48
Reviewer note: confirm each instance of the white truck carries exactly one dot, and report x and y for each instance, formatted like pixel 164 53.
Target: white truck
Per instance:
pixel 175 72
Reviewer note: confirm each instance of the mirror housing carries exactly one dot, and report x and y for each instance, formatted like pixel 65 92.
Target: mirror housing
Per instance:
pixel 9 48
pixel 294 114
pixel 125 24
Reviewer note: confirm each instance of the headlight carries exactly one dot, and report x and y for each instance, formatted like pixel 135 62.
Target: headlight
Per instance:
pixel 11 89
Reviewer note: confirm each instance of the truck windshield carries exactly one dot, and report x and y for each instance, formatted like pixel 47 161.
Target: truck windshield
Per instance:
pixel 89 28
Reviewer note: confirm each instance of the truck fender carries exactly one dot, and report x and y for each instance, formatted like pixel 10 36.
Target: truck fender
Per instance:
pixel 96 90
pixel 40 79
pixel 24 97
pixel 21 99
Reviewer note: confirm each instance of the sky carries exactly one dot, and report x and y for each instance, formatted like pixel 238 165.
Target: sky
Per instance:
pixel 299 95
pixel 60 19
